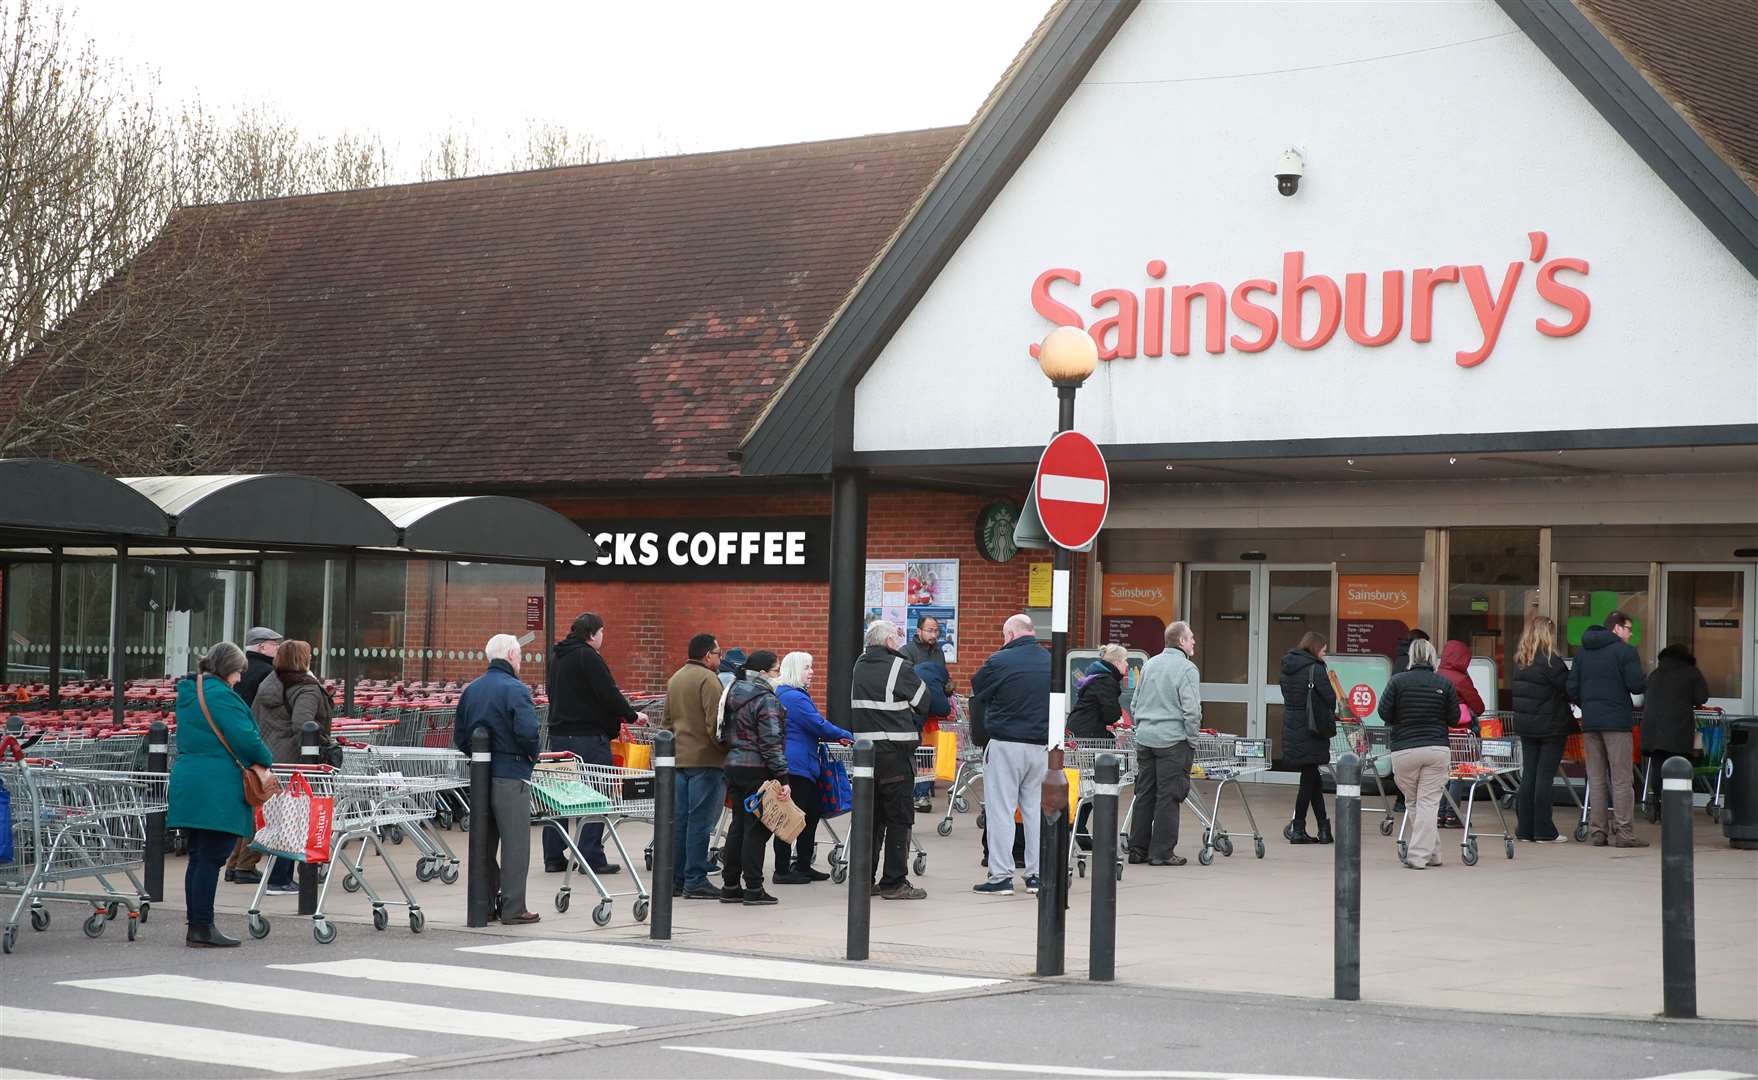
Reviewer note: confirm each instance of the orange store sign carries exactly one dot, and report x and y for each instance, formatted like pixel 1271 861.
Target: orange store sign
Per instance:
pixel 1374 611
pixel 1158 321
pixel 1136 609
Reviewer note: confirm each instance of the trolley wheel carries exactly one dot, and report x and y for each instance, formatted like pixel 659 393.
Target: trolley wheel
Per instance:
pixel 112 911
pixel 443 818
pixel 1224 844
pixel 7 938
pixel 982 820
pixel 39 919
pixel 1080 866
pixel 258 927
pixel 380 918
pixel 1468 852
pixel 1581 833
pixel 838 856
pixel 350 883
pixel 425 871
pixel 396 832
pixel 449 874
pixel 417 920
pixel 1709 812
pixel 1206 855
pixel 1260 847
pixel 146 907
pixel 839 873
pixel 1403 852
pixel 324 931
pixel 1508 801
pixel 94 925
pixel 647 856
pixel 1508 848
pixel 962 805
pixel 601 914
pixel 464 821
pixel 640 909
pixel 1119 869
pixel 133 928
pixel 945 827
pixel 1385 826
pixel 562 900
pixel 920 866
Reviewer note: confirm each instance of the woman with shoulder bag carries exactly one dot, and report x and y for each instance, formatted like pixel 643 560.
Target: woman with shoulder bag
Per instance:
pixel 1309 710
pixel 1544 723
pixel 287 698
pixel 217 744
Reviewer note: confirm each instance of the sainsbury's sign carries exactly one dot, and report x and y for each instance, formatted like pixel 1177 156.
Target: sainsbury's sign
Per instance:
pixel 1158 321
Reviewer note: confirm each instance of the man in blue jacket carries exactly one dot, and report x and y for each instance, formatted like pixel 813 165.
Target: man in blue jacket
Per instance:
pixel 1605 672
pixel 1014 688
pixel 499 702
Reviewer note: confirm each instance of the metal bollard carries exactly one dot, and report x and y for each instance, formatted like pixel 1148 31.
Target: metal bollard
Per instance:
pixel 1102 947
pixel 310 753
pixel 483 829
pixel 1678 899
pixel 860 852
pixel 1347 929
pixel 665 781
pixel 158 761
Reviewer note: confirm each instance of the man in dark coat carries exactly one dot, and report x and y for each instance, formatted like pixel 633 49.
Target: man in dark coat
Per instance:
pixel 586 711
pixel 1669 715
pixel 1401 660
pixel 1014 685
pixel 500 703
pixel 1607 670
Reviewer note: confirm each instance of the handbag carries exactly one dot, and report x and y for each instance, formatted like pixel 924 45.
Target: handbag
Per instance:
pixel 260 784
pixel 296 823
pixel 1313 727
pixel 836 793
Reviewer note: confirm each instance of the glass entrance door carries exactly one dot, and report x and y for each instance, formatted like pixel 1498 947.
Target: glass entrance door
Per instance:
pixel 1708 609
pixel 1244 619
pixel 1295 600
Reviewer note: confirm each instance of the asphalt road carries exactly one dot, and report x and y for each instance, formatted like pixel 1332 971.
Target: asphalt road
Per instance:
pixel 457 1004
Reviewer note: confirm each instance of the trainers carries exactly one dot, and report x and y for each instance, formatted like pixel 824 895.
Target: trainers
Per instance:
pixel 812 873
pixel 1003 887
pixel 903 891
pixel 1032 884
pixel 759 898
pixel 245 877
pixel 282 890
pixel 1632 842
pixel 792 877
pixel 702 892
pixel 732 894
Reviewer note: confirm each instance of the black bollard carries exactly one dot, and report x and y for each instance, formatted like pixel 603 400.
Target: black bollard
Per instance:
pixel 158 763
pixel 1347 929
pixel 860 852
pixel 483 829
pixel 1053 869
pixel 1102 950
pixel 1678 899
pixel 310 753
pixel 665 779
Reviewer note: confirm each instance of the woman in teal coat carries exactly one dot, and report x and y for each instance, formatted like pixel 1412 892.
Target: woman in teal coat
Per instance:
pixel 207 783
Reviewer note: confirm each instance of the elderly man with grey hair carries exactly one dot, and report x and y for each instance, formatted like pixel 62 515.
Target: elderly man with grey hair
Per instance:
pixel 887 706
pixel 501 704
pixel 1168 710
pixel 1013 687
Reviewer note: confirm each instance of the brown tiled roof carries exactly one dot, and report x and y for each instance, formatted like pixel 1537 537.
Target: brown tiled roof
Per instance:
pixel 619 322
pixel 1702 57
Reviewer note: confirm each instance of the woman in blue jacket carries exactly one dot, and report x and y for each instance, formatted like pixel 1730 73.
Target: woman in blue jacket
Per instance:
pixel 806 728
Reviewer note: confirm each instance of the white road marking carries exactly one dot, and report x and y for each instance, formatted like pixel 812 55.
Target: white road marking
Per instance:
pixel 1075 489
pixel 860 1065
pixel 20 1074
pixel 597 991
pixel 701 963
pixel 204 1045
pixel 1704 1074
pixel 350 1010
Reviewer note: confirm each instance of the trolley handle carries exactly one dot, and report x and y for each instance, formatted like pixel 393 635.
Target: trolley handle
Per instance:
pixel 558 755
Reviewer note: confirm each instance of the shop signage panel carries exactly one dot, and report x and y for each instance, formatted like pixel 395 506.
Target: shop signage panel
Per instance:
pixel 1374 611
pixel 1135 610
pixel 706 549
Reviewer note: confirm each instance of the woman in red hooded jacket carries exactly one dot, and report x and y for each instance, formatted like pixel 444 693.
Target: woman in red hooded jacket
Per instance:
pixel 1455 668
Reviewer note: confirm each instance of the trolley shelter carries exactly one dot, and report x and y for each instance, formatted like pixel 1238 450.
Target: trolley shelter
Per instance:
pixel 108 580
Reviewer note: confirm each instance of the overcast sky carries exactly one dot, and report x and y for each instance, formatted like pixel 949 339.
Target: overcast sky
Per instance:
pixel 646 76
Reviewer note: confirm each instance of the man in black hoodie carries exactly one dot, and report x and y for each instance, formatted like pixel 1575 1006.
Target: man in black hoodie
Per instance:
pixel 586 711
pixel 1606 671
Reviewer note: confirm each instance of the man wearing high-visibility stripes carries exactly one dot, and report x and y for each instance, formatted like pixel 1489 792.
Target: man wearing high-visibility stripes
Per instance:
pixel 888 703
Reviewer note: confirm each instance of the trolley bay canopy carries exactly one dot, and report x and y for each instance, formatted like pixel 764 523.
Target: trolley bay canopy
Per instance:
pixel 62 515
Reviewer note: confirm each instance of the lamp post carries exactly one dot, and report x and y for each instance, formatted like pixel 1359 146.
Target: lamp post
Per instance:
pixel 1067 356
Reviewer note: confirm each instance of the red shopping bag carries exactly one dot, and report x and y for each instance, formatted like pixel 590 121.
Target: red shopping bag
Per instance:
pixel 296 824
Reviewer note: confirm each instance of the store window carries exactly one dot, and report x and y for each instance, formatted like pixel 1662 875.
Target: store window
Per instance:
pixel 1705 612
pixel 1492 577
pixel 1584 600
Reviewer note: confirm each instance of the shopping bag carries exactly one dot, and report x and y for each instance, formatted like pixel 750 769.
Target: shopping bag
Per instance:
pixel 295 824
pixel 946 755
pixel 619 752
pixel 780 816
pixel 836 793
pixel 638 755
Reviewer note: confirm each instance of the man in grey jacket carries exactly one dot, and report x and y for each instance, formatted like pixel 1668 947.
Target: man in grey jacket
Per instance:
pixel 1168 711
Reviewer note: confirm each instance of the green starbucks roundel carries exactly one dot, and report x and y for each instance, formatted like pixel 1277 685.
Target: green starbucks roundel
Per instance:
pixel 995 526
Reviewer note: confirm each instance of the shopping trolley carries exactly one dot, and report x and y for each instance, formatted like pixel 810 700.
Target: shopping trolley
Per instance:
pixel 968 771
pixel 1371 743
pixel 1479 762
pixel 1711 746
pixel 566 793
pixel 1224 759
pixel 418 776
pixel 1083 755
pixel 70 825
pixel 120 751
pixel 922 761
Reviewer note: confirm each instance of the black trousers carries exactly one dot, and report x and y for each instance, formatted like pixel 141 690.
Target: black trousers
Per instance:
pixel 1540 760
pixel 1312 793
pixel 894 805
pixel 798 855
pixel 747 838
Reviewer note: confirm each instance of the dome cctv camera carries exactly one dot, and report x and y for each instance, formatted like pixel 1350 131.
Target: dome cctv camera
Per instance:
pixel 1289 170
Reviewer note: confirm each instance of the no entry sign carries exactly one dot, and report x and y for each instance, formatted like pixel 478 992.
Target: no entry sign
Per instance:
pixel 1073 489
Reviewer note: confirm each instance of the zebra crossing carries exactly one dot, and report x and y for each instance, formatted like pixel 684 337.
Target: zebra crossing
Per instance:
pixel 304 1016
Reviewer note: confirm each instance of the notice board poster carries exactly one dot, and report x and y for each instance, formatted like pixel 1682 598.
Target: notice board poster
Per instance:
pixel 905 592
pixel 1374 611
pixel 1135 609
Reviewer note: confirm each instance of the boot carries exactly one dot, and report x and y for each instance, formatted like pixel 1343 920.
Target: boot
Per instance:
pixel 209 937
pixel 1324 833
pixel 803 864
pixel 1296 833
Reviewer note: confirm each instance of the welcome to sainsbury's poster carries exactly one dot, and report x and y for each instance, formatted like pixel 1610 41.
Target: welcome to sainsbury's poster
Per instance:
pixel 1374 611
pixel 1135 610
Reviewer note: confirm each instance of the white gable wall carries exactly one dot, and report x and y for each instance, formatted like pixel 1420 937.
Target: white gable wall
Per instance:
pixel 1434 134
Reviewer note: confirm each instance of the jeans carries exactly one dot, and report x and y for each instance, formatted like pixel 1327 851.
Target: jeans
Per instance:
pixel 1013 779
pixel 1422 774
pixel 593 750
pixel 510 822
pixel 1162 781
pixel 208 851
pixel 1532 803
pixel 282 874
pixel 745 841
pixel 1611 785
pixel 894 812
pixel 798 855
pixel 1312 793
pixel 701 792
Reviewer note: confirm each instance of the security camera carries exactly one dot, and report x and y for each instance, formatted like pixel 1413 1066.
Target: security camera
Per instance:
pixel 1289 170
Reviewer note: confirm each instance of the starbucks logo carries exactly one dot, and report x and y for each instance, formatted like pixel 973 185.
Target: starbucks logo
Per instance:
pixel 995 526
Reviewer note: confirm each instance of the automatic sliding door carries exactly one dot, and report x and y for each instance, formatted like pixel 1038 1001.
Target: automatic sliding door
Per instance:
pixel 1219 606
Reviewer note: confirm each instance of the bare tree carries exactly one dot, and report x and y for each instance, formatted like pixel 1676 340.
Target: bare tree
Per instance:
pixel 455 154
pixel 548 145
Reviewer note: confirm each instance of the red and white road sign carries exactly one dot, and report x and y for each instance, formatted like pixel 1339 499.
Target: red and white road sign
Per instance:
pixel 1073 489
pixel 1362 700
